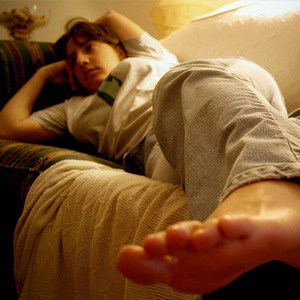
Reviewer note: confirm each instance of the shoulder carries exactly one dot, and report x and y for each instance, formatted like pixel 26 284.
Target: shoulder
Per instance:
pixel 147 46
pixel 132 66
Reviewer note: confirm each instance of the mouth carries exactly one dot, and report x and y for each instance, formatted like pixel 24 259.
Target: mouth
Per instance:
pixel 89 72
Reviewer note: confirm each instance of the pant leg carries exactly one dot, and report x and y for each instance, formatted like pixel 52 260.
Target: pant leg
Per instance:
pixel 222 124
pixel 155 164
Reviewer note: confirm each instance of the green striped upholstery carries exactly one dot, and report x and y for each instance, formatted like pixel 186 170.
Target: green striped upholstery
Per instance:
pixel 18 62
pixel 18 158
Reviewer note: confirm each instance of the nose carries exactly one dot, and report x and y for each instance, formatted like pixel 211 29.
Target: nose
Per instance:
pixel 82 59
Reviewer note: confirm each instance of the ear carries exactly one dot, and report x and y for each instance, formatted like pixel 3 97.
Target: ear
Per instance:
pixel 121 51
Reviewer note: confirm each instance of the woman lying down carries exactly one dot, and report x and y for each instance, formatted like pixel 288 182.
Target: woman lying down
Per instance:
pixel 221 127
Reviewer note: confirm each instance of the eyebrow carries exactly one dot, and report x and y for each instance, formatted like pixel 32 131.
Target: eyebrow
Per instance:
pixel 72 54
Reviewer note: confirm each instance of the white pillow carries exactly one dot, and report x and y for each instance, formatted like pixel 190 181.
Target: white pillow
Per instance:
pixel 266 32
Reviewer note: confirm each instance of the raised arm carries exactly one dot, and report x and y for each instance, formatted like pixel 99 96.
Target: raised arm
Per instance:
pixel 15 121
pixel 123 27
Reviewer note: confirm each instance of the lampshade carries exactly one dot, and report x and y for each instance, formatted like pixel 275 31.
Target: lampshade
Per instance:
pixel 169 15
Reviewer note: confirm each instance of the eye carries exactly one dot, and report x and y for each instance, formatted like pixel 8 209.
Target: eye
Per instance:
pixel 89 47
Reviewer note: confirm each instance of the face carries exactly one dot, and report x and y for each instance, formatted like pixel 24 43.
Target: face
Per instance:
pixel 92 61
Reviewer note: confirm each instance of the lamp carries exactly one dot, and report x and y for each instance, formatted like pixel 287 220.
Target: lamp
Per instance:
pixel 169 15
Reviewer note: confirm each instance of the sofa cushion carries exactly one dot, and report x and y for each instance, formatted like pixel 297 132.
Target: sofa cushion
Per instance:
pixel 266 32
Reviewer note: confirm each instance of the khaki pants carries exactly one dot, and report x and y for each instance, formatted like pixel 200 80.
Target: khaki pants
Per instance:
pixel 222 124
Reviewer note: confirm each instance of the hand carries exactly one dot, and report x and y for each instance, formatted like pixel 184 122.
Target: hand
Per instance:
pixel 59 72
pixel 119 25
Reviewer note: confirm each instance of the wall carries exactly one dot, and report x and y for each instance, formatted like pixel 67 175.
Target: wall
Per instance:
pixel 169 15
pixel 63 10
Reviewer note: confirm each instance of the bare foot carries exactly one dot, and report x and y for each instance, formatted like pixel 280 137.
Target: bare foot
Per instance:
pixel 255 224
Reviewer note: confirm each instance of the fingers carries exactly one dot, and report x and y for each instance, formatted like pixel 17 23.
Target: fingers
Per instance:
pixel 71 79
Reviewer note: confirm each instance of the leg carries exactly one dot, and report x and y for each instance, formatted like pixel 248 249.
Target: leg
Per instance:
pixel 216 127
pixel 155 164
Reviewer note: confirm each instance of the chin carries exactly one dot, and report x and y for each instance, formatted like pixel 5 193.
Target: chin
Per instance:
pixel 95 87
pixel 93 90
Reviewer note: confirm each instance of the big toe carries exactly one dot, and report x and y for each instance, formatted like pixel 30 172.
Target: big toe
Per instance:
pixel 137 266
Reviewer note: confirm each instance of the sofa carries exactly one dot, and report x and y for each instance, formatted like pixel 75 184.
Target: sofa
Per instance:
pixel 22 163
pixel 66 210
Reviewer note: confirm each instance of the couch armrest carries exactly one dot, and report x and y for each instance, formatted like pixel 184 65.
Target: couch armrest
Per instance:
pixel 21 163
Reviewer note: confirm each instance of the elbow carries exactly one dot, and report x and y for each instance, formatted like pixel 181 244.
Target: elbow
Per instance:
pixel 110 14
pixel 5 129
pixel 107 17
pixel 8 131
pixel 6 134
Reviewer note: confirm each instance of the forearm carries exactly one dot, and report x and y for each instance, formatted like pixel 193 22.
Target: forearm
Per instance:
pixel 20 106
pixel 123 27
pixel 18 109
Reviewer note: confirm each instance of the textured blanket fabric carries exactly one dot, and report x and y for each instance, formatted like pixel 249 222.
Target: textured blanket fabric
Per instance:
pixel 76 216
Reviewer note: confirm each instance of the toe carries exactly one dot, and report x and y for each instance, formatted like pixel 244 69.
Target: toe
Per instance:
pixel 236 227
pixel 137 266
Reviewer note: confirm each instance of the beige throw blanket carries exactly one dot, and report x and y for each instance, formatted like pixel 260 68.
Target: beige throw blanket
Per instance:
pixel 76 217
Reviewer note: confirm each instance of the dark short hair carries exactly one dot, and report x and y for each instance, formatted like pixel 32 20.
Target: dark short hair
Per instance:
pixel 79 27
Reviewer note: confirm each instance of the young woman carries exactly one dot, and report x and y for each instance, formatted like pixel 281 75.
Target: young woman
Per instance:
pixel 117 67
pixel 220 123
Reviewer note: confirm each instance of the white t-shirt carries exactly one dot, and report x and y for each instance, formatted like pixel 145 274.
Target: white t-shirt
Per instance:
pixel 119 115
